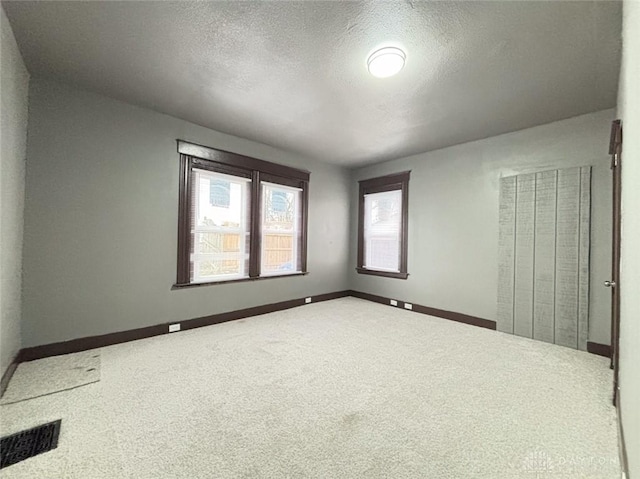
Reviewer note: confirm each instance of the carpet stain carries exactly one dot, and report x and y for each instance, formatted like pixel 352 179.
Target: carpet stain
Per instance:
pixel 350 420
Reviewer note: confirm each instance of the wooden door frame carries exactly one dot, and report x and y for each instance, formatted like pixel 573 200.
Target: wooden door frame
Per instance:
pixel 615 150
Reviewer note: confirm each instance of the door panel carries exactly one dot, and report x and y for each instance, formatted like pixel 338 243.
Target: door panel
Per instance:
pixel 543 292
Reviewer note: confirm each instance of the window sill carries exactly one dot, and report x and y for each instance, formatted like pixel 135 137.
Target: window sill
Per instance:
pixel 240 280
pixel 386 274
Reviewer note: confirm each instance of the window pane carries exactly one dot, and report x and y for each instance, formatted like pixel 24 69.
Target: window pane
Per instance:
pixel 281 232
pixel 220 193
pixel 220 227
pixel 382 227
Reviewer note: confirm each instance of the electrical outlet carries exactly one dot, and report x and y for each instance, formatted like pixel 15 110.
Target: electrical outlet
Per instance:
pixel 408 306
pixel 393 302
pixel 307 300
pixel 174 327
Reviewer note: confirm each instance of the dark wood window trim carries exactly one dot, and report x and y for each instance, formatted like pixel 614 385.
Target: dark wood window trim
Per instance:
pixel 210 159
pixel 239 280
pixel 398 181
pixel 240 161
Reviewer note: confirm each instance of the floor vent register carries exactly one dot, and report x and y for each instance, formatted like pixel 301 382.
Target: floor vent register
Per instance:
pixel 25 444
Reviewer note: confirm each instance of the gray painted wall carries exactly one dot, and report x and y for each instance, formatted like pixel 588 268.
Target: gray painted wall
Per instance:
pixel 101 220
pixel 101 216
pixel 453 215
pixel 629 111
pixel 14 88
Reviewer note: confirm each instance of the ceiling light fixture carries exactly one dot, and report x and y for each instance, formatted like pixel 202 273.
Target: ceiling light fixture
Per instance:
pixel 386 62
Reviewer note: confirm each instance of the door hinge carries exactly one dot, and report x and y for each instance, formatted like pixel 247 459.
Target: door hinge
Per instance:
pixel 614 160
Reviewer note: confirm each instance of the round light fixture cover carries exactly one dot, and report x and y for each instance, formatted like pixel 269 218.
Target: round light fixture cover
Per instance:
pixel 386 62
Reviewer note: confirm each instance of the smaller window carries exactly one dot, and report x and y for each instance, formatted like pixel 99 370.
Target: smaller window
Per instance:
pixel 382 226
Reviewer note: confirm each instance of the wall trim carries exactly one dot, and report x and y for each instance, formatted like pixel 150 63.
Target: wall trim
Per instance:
pixel 8 374
pixel 622 447
pixel 92 342
pixel 109 339
pixel 599 349
pixel 440 313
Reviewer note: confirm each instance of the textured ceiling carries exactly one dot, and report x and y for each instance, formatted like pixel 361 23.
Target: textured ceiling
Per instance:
pixel 293 74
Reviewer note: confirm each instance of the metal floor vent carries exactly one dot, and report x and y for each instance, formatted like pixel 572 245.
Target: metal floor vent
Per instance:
pixel 29 443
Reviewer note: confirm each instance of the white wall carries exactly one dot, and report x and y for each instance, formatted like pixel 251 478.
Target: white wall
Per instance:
pixel 101 219
pixel 14 87
pixel 629 112
pixel 453 215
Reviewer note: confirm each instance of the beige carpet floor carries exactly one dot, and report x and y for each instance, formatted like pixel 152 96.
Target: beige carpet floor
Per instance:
pixel 52 375
pixel 340 389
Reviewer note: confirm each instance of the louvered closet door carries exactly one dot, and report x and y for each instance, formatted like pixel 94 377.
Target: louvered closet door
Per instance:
pixel 543 284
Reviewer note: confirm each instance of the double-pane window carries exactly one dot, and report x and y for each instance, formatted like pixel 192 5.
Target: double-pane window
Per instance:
pixel 240 218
